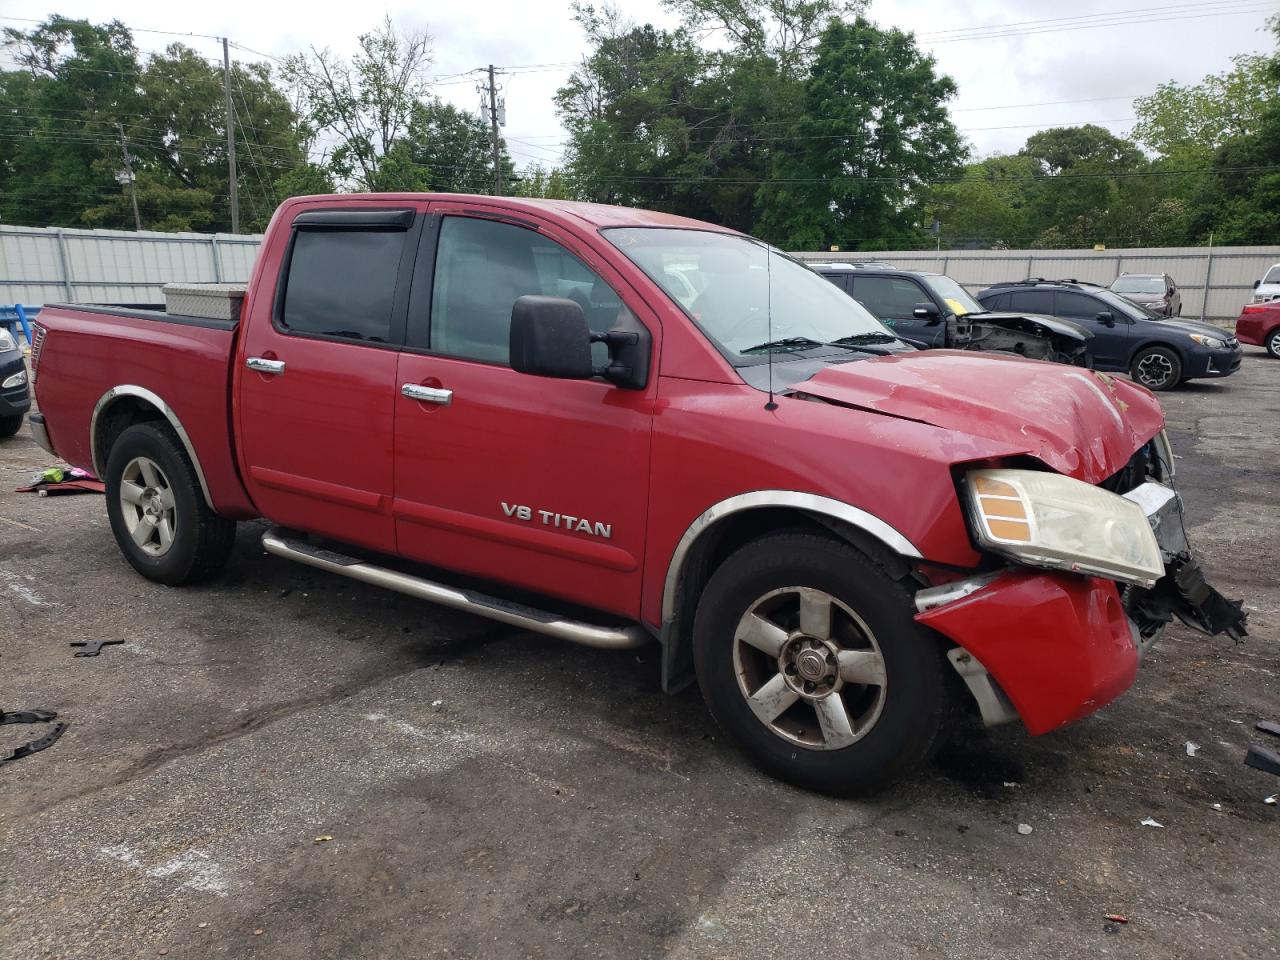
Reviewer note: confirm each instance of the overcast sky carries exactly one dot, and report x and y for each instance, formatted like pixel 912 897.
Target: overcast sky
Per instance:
pixel 1034 51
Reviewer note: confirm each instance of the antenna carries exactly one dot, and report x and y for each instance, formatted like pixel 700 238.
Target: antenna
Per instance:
pixel 768 315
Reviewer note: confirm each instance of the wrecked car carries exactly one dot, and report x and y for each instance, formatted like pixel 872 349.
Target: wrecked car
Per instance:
pixel 616 428
pixel 930 310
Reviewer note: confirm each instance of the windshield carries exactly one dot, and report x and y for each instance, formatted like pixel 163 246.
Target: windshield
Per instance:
pixel 1125 306
pixel 723 283
pixel 1273 275
pixel 1139 285
pixel 956 296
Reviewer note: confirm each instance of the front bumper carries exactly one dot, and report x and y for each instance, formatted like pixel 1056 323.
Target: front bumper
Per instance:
pixel 1051 647
pixel 1213 363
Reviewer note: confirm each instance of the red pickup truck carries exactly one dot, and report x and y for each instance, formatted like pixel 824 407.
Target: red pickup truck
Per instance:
pixel 621 427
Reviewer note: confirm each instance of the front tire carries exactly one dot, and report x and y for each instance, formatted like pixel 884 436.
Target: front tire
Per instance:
pixel 9 426
pixel 1157 368
pixel 1273 343
pixel 809 658
pixel 157 510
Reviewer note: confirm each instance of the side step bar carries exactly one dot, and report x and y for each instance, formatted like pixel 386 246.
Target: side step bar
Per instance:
pixel 278 542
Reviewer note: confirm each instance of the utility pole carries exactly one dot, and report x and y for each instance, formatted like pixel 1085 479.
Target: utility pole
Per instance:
pixel 127 176
pixel 493 124
pixel 231 139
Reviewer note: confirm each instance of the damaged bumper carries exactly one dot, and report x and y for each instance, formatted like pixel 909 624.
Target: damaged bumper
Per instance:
pixel 1052 647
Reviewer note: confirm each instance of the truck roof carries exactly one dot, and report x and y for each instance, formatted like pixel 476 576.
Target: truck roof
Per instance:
pixel 596 214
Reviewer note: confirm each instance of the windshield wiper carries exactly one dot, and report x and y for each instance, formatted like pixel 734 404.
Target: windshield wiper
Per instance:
pixel 786 343
pixel 860 338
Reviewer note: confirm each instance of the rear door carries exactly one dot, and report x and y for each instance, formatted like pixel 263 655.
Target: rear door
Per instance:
pixel 316 395
pixel 530 481
pixel 892 300
pixel 1110 343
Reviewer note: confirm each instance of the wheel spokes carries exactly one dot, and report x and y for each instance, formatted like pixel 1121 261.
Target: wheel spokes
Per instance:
pixel 766 637
pixel 833 717
pixel 166 498
pixel 150 475
pixel 861 666
pixel 142 531
pixel 815 613
pixel 771 700
pixel 164 530
pixel 131 493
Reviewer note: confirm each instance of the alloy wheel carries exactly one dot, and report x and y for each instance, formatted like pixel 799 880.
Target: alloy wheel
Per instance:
pixel 810 668
pixel 1155 370
pixel 147 505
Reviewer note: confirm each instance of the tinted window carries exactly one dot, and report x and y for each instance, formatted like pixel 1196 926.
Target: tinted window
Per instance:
pixel 1139 284
pixel 342 283
pixel 997 301
pixel 1032 301
pixel 483 267
pixel 1078 305
pixel 1273 275
pixel 889 298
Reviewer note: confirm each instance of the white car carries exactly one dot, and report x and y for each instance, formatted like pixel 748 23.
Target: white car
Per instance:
pixel 1268 288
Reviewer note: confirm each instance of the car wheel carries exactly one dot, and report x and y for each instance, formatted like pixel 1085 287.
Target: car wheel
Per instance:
pixel 1273 343
pixel 157 510
pixel 1156 368
pixel 808 656
pixel 10 425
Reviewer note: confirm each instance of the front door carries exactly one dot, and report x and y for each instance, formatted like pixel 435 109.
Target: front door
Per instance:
pixel 892 300
pixel 1110 343
pixel 316 386
pixel 534 482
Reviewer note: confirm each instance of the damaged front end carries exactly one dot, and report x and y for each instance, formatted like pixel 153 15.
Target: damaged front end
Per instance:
pixel 1036 338
pixel 1054 644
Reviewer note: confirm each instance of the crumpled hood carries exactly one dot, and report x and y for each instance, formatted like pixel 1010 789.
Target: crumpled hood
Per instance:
pixel 1080 423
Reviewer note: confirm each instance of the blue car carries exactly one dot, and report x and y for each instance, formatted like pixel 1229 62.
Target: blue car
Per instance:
pixel 1157 352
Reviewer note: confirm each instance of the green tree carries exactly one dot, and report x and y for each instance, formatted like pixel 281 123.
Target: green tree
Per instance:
pixel 874 130
pixel 367 103
pixel 539 181
pixel 986 207
pixel 449 150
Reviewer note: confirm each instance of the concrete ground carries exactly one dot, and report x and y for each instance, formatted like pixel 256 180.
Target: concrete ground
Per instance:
pixel 285 764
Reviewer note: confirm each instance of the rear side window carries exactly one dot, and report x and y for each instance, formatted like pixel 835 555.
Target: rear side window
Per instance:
pixel 889 298
pixel 342 283
pixel 1032 301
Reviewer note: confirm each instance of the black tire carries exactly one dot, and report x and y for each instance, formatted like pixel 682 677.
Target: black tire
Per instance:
pixel 914 697
pixel 1273 343
pixel 10 425
pixel 1156 368
pixel 201 540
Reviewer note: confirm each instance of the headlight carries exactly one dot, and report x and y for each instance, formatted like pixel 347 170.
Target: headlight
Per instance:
pixel 1213 343
pixel 6 340
pixel 1048 520
pixel 17 380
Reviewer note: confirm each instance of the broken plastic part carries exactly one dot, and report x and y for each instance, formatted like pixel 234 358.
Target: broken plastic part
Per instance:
pixel 1260 758
pixel 40 743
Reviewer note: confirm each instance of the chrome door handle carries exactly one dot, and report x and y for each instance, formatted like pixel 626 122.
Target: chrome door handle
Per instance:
pixel 416 391
pixel 262 365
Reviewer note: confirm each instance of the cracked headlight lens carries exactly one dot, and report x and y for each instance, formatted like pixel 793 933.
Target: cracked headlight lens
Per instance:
pixel 1048 520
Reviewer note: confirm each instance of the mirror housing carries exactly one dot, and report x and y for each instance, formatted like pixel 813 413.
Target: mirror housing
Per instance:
pixel 550 338
pixel 1106 318
pixel 1256 284
pixel 928 312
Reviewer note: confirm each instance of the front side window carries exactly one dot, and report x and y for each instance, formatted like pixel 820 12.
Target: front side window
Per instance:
pixel 483 267
pixel 956 297
pixel 342 283
pixel 743 295
pixel 889 298
pixel 1078 306
pixel 1032 301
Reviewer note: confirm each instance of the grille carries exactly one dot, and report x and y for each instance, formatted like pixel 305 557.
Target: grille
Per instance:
pixel 39 333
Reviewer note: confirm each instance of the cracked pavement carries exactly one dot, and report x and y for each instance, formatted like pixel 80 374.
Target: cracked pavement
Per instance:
pixel 491 793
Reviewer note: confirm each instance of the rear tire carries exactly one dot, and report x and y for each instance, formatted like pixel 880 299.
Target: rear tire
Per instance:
pixel 837 689
pixel 10 425
pixel 1273 343
pixel 157 510
pixel 1156 368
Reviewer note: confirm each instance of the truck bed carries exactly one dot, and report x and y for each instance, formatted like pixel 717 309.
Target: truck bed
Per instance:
pixel 185 362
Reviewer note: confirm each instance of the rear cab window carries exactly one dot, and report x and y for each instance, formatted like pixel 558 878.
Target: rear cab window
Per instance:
pixel 340 279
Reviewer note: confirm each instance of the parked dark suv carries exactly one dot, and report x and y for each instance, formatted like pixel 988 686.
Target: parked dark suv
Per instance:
pixel 1155 291
pixel 15 400
pixel 1157 352
pixel 931 310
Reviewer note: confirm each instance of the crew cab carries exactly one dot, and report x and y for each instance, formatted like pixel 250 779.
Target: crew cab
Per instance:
pixel 619 427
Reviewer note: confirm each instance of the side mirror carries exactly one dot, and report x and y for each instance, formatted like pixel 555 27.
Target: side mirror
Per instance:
pixel 1256 284
pixel 550 338
pixel 1106 318
pixel 928 312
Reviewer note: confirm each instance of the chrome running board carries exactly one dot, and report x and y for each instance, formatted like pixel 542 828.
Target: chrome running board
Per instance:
pixel 278 542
